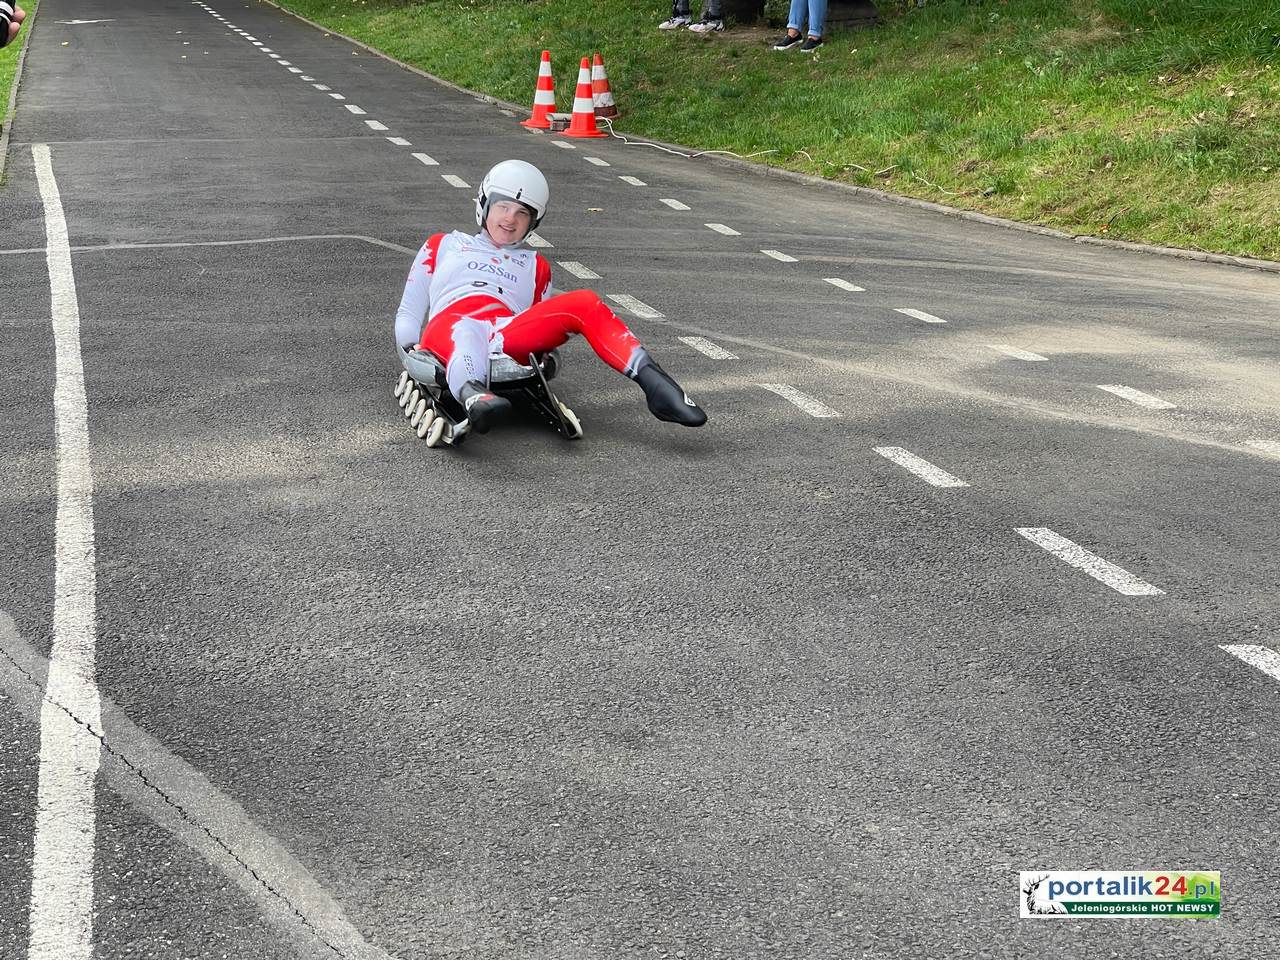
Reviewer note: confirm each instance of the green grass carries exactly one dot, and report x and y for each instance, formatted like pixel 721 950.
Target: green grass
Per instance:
pixel 9 61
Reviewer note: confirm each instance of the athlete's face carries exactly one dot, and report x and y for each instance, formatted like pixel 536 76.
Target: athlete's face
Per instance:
pixel 508 222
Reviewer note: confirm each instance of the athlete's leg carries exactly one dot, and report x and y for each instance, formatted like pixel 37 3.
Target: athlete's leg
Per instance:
pixel 462 342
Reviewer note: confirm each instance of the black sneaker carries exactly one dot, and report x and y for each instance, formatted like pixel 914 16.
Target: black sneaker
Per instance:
pixel 788 41
pixel 666 400
pixel 810 44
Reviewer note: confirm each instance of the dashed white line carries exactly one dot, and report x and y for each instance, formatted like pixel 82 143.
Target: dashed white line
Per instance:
pixel 1266 446
pixel 709 349
pixel 321 86
pixel 779 256
pixel 537 241
pixel 401 142
pixel 354 109
pixel 634 181
pixel 375 125
pixel 562 145
pixel 424 158
pixel 1015 352
pixel 597 161
pixel 1264 658
pixel 293 69
pixel 918 315
pixel 844 284
pixel 638 307
pixel 578 270
pixel 308 79
pixel 337 96
pixel 920 467
pixel 450 179
pixel 673 204
pixel 256 43
pixel 721 228
pixel 814 408
pixel 1117 578
pixel 1136 396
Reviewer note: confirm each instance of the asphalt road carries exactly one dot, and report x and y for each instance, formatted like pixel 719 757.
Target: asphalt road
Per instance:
pixel 750 691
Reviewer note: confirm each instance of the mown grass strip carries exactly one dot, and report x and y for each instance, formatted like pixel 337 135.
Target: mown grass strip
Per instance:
pixel 9 57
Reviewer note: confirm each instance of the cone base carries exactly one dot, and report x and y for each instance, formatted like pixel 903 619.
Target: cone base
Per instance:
pixel 585 133
pixel 609 113
pixel 536 123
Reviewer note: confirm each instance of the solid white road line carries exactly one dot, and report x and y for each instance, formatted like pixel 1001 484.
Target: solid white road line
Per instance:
pixel 61 924
pixel 709 349
pixel 721 228
pixel 1266 446
pixel 919 315
pixel 844 284
pixel 597 161
pixel 578 270
pixel 1264 658
pixel 815 408
pixel 562 145
pixel 375 125
pixel 424 158
pixel 779 256
pixel 537 241
pixel 673 204
pixel 400 142
pixel 450 179
pixel 638 307
pixel 353 108
pixel 634 181
pixel 921 468
pixel 1015 352
pixel 1117 578
pixel 1136 396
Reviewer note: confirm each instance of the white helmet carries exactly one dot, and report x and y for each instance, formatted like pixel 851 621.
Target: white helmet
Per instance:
pixel 513 180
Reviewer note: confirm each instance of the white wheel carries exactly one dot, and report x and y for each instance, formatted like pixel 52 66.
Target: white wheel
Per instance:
pixel 424 423
pixel 418 411
pixel 404 394
pixel 571 418
pixel 414 396
pixel 401 384
pixel 435 432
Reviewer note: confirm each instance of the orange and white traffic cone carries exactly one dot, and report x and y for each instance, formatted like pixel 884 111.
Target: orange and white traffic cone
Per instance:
pixel 601 95
pixel 544 96
pixel 583 121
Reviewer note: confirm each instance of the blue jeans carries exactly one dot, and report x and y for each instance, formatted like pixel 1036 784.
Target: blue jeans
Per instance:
pixel 817 10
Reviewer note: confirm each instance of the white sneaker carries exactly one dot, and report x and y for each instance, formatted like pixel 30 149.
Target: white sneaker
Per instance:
pixel 707 26
pixel 675 23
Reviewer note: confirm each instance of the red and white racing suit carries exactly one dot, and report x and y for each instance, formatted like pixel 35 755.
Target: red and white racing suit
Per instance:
pixel 481 301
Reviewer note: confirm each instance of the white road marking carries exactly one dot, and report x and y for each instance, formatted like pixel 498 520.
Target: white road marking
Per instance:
pixel 638 307
pixel 354 109
pixel 294 69
pixel 673 204
pixel 273 56
pixel 920 467
pixel 1264 658
pixel 535 240
pixel 254 39
pixel 597 161
pixel 402 142
pixel 337 96
pixel 918 315
pixel 320 86
pixel 1136 396
pixel 578 270
pixel 61 922
pixel 285 63
pixel 844 284
pixel 779 256
pixel 424 158
pixel 634 181
pixel 721 228
pixel 815 408
pixel 1117 578
pixel 709 349
pixel 375 125
pixel 1015 352
pixel 256 43
pixel 562 145
pixel 1266 446
pixel 308 79
pixel 450 179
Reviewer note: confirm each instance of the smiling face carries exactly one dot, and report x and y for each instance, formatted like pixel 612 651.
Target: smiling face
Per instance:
pixel 507 222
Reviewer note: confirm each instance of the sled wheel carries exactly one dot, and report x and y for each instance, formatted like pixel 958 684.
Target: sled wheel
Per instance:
pixel 435 432
pixel 424 423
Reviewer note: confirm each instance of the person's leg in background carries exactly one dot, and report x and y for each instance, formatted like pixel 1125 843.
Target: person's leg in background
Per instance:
pixel 817 20
pixel 712 18
pixel 679 16
pixel 795 24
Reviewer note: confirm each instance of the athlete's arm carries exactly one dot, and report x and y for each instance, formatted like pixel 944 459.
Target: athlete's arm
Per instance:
pixel 542 289
pixel 416 300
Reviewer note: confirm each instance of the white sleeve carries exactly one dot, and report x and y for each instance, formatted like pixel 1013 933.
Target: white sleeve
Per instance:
pixel 416 300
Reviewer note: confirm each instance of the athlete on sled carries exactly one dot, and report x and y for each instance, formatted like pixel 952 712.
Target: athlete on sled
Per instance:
pixel 489 308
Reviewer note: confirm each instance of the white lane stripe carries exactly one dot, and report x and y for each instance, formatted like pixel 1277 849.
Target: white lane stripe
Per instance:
pixel 1136 396
pixel 537 241
pixel 308 79
pixel 638 307
pixel 1266 446
pixel 597 161
pixel 779 256
pixel 673 204
pixel 1015 352
pixel 844 284
pixel 578 270
pixel 815 408
pixel 709 349
pixel 721 228
pixel 450 179
pixel 256 43
pixel 1117 578
pixel 562 145
pixel 634 181
pixel 400 142
pixel 337 96
pixel 320 86
pixel 375 125
pixel 294 70
pixel 273 56
pixel 61 924
pixel 354 109
pixel 918 315
pixel 424 158
pixel 920 467
pixel 1264 658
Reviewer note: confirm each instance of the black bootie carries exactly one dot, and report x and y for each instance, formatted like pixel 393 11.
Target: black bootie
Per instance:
pixel 484 408
pixel 666 400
